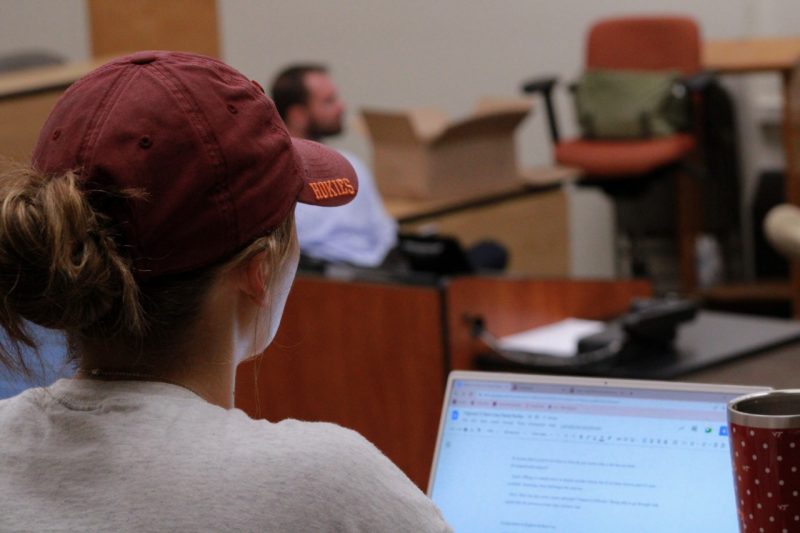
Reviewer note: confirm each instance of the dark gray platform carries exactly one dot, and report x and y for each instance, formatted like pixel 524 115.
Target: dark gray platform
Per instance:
pixel 713 338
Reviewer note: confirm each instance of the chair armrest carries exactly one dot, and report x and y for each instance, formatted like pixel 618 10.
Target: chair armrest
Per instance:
pixel 540 85
pixel 545 85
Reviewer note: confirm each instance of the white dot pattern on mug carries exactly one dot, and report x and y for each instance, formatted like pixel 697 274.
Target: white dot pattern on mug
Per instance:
pixel 767 481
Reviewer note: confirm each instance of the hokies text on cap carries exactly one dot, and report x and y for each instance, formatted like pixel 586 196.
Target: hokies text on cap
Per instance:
pixel 332 188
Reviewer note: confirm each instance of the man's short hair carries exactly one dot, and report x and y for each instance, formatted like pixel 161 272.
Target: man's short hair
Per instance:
pixel 288 87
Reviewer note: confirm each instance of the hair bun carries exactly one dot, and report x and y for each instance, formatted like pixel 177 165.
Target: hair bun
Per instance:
pixel 59 268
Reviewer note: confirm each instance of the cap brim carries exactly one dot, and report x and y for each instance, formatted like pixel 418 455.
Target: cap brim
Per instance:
pixel 329 179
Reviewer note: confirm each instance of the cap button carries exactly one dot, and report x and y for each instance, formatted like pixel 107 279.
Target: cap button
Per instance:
pixel 142 58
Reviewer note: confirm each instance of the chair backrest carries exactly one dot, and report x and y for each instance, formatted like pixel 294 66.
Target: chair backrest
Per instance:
pixel 645 43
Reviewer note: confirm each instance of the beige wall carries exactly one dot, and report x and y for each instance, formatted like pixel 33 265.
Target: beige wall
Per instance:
pixel 61 26
pixel 445 53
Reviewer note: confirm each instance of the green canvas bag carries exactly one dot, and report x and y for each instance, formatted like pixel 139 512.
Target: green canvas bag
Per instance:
pixel 628 104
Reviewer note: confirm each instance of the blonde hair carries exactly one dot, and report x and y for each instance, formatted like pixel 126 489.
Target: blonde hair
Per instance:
pixel 61 267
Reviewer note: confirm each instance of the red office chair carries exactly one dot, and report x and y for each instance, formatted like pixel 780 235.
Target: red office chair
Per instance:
pixel 622 166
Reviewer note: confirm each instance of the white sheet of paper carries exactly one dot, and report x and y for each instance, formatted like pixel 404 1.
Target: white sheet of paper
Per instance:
pixel 560 338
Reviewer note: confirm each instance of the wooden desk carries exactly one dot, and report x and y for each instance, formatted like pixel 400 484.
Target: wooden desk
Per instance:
pixel 770 54
pixel 760 54
pixel 26 98
pixel 407 210
pixel 530 217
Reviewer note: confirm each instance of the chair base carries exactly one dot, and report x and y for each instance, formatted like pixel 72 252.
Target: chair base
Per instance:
pixel 666 202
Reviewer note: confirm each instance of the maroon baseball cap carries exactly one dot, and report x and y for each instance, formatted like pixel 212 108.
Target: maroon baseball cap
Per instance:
pixel 202 142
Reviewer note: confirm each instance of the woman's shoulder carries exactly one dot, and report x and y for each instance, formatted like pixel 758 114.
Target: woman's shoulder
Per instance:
pixel 333 468
pixel 302 443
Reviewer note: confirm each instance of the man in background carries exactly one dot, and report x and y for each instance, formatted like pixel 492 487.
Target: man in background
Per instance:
pixel 362 233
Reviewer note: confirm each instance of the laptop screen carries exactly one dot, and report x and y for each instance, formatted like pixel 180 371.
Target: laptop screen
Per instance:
pixel 584 455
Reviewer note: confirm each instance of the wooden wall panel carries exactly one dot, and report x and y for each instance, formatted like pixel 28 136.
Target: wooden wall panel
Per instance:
pixel 20 122
pixel 367 356
pixel 26 98
pixel 118 27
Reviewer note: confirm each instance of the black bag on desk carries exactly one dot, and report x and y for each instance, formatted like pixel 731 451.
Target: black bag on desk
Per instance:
pixel 416 259
pixel 435 254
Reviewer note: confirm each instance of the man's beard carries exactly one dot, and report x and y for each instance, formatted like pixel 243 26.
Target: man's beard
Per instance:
pixel 318 131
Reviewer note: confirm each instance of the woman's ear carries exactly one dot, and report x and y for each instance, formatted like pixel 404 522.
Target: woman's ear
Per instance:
pixel 252 278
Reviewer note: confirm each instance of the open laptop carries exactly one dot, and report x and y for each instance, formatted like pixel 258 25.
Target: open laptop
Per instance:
pixel 523 452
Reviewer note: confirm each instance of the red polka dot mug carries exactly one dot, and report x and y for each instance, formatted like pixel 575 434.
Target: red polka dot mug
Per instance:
pixel 765 448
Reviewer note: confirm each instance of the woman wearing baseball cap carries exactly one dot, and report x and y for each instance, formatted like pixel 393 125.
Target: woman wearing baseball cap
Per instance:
pixel 155 228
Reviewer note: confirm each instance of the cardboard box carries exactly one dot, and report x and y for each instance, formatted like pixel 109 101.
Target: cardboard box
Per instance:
pixel 420 153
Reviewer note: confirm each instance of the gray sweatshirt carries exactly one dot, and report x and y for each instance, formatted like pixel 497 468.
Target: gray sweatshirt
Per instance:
pixel 88 455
